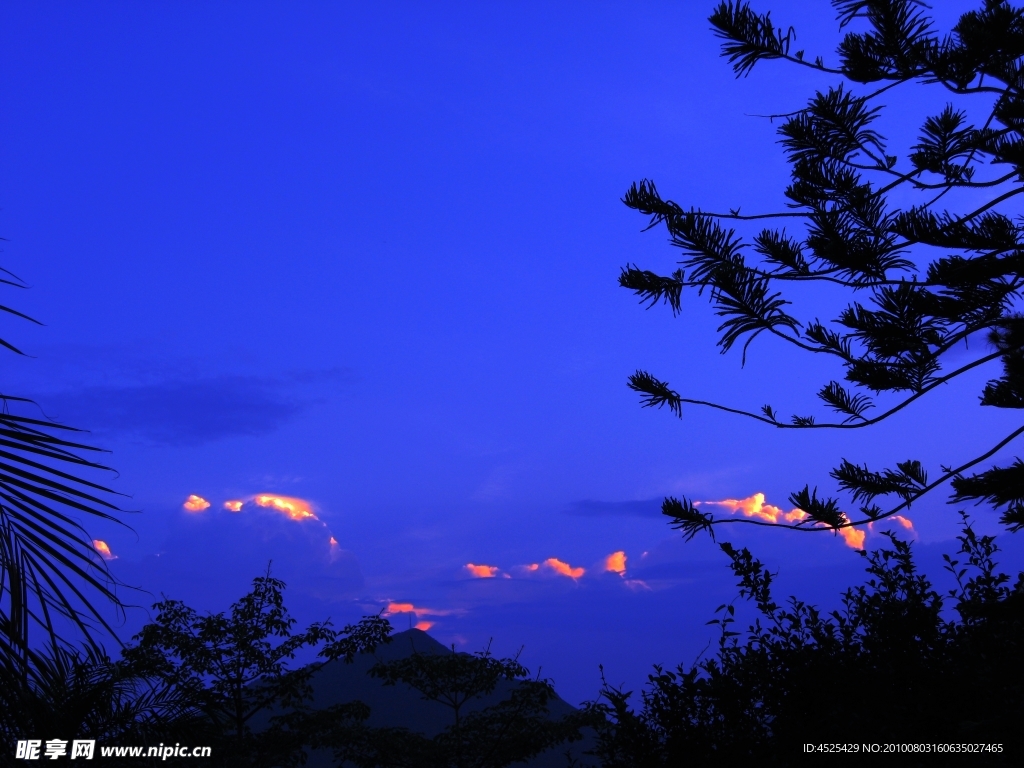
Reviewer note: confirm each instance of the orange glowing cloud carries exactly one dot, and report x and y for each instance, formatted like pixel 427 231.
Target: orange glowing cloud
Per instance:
pixel 196 503
pixel 904 522
pixel 233 506
pixel 296 509
pixel 423 625
pixel 103 549
pixel 482 571
pixel 854 537
pixel 563 568
pixel 531 567
pixel 333 542
pixel 754 506
pixel 616 563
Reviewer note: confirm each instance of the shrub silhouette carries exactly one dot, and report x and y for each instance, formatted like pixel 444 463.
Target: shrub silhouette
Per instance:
pixel 890 666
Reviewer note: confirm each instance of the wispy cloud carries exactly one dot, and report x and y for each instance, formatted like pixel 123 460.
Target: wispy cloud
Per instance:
pixel 525 570
pixel 196 503
pixel 181 413
pixel 637 585
pixel 211 557
pixel 290 507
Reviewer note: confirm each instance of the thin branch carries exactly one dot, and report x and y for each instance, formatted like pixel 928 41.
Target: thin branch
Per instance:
pixel 901 177
pixel 801 111
pixel 948 476
pixel 987 205
pixel 866 423
pixel 898 508
pixel 789 214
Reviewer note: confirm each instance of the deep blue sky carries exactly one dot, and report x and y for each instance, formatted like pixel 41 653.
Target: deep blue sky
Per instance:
pixel 366 255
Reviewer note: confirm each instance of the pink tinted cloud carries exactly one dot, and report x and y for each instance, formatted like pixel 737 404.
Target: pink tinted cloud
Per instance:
pixel 899 520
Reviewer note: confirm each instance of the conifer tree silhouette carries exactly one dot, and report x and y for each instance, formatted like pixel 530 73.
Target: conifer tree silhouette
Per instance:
pixel 921 280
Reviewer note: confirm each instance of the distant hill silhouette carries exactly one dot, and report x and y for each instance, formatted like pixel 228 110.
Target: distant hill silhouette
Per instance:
pixel 402 706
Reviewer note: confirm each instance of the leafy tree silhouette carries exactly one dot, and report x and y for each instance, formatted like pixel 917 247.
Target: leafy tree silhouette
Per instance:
pixel 887 668
pixel 233 689
pixel 932 279
pixel 234 668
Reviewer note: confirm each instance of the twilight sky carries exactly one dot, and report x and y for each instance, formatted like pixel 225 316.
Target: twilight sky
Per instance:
pixel 364 257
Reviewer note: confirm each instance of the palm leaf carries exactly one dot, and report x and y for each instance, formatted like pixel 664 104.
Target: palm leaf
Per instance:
pixel 50 574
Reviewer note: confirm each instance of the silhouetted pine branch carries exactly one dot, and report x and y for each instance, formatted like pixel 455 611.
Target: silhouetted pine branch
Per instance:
pixel 922 280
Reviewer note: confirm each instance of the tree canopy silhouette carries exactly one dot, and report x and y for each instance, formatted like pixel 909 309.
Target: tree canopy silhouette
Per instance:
pixel 889 667
pixel 235 669
pixel 920 280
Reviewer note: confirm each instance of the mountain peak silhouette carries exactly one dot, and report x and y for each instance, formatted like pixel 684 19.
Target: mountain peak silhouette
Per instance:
pixel 402 706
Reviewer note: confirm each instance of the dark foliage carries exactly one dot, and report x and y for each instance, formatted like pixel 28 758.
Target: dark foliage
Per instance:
pixel 234 669
pixel 481 734
pixel 231 679
pixel 920 281
pixel 890 666
pixel 85 695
